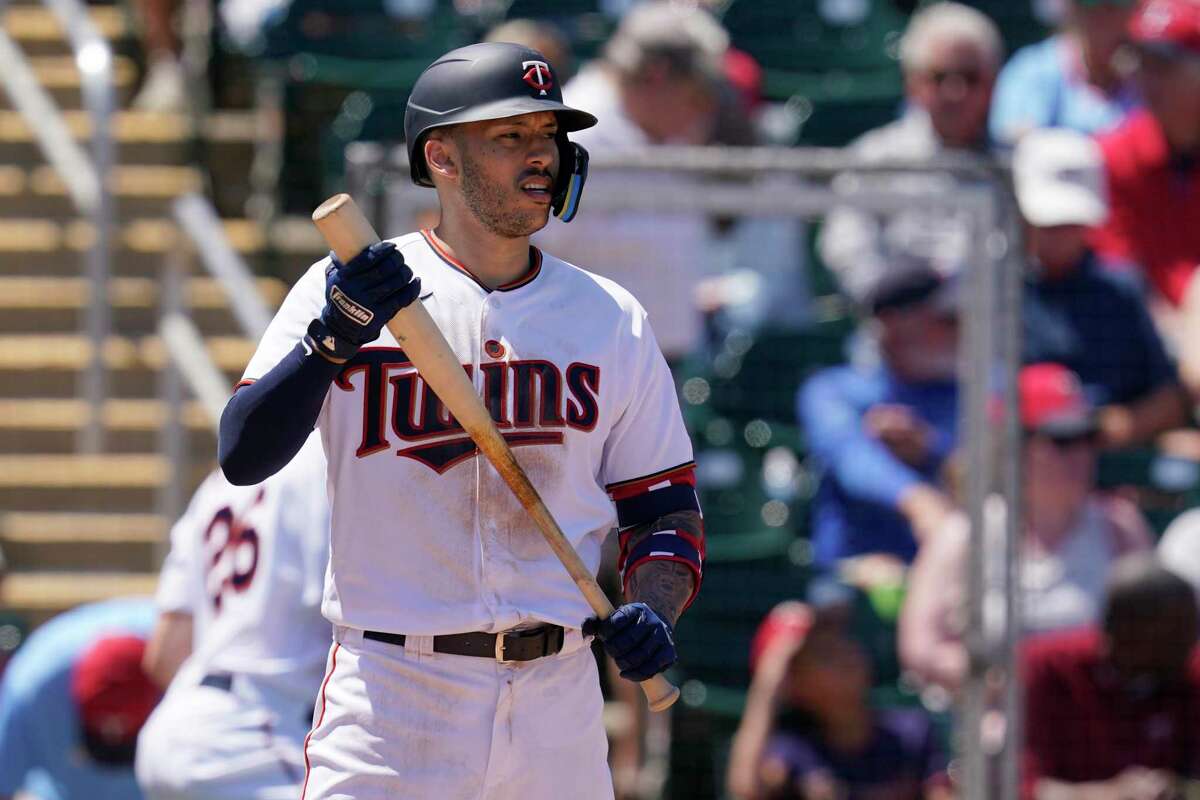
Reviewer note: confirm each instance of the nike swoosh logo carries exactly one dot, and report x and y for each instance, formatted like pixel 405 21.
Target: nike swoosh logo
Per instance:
pixel 425 296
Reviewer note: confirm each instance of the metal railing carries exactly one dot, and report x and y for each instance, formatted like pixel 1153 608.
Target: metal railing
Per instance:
pixel 806 184
pixel 86 178
pixel 189 363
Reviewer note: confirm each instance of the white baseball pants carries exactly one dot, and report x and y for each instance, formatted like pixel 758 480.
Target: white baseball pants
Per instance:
pixel 203 743
pixel 395 723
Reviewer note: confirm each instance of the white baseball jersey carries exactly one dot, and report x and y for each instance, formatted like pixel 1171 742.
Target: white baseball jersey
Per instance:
pixel 248 563
pixel 426 537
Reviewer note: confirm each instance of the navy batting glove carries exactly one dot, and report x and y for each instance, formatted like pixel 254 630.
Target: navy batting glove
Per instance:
pixel 360 297
pixel 639 640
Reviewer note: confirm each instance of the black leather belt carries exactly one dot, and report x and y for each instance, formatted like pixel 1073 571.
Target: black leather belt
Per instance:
pixel 218 680
pixel 522 645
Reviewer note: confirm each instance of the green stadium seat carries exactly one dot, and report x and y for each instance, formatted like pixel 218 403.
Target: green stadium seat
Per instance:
pixel 360 46
pixel 715 633
pixel 842 79
pixel 14 628
pixel 796 37
pixel 757 377
pixel 583 22
pixel 1018 24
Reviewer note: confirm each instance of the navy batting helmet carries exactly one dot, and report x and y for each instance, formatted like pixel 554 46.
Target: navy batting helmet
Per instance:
pixel 494 80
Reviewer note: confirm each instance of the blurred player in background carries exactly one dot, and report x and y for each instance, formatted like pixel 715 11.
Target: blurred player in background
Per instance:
pixel 72 702
pixel 239 599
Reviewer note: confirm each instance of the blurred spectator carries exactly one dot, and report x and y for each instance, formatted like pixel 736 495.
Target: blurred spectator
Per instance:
pixel 164 84
pixel 1077 313
pixel 165 81
pixel 72 702
pixel 662 81
pixel 545 37
pixel 1071 536
pixel 809 730
pixel 950 54
pixel 881 434
pixel 1070 80
pixel 6 648
pixel 1153 165
pixel 1111 711
pixel 1179 547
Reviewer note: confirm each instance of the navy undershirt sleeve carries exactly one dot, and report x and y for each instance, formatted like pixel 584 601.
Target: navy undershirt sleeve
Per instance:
pixel 266 423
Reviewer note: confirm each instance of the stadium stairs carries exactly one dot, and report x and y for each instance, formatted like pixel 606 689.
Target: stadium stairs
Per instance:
pixel 77 528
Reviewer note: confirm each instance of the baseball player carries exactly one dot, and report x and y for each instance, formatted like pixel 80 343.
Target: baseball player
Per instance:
pixel 460 666
pixel 241 589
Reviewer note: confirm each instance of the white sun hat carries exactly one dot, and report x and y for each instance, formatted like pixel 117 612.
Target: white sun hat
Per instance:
pixel 1058 175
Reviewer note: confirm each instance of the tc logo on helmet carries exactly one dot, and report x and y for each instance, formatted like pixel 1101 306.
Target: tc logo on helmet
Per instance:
pixel 537 74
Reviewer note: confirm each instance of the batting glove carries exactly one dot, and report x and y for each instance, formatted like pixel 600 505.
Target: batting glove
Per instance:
pixel 639 640
pixel 361 296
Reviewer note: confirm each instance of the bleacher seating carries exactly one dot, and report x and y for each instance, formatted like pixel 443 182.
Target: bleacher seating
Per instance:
pixel 80 528
pixel 840 74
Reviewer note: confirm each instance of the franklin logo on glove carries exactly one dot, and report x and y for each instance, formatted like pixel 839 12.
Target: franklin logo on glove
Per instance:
pixel 350 308
pixel 360 297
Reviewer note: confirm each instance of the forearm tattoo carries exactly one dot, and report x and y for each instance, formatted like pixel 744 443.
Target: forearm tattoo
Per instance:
pixel 665 586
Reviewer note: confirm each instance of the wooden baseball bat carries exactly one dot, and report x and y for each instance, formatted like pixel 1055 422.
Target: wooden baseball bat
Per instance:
pixel 347 231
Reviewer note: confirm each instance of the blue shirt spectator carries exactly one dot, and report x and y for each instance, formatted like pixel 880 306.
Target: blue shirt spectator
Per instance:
pixel 881 433
pixel 1068 80
pixel 1095 322
pixel 43 747
pixel 857 508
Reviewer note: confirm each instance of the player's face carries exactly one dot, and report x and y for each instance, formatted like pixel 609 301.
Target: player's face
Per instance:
pixel 508 171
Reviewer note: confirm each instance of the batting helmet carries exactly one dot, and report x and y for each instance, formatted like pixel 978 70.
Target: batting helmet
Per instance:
pixel 494 80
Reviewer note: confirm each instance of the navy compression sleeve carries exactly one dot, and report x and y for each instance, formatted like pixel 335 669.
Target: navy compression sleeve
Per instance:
pixel 266 423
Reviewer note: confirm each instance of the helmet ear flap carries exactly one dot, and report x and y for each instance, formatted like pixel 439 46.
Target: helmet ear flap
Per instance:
pixel 572 173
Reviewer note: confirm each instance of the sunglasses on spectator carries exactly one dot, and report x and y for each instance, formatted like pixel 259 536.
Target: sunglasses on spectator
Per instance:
pixel 1067 441
pixel 970 78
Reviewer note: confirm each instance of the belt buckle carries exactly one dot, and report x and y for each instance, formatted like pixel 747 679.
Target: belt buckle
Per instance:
pixel 500 659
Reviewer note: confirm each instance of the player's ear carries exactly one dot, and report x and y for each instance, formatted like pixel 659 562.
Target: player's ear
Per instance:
pixel 440 158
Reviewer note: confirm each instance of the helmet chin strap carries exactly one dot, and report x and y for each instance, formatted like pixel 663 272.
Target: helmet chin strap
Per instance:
pixel 572 173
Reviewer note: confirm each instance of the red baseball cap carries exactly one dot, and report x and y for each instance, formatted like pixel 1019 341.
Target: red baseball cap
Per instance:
pixel 112 691
pixel 1052 402
pixel 1168 27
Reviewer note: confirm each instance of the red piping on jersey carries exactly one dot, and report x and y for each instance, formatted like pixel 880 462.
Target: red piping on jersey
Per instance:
pixel 535 264
pixel 243 382
pixel 320 719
